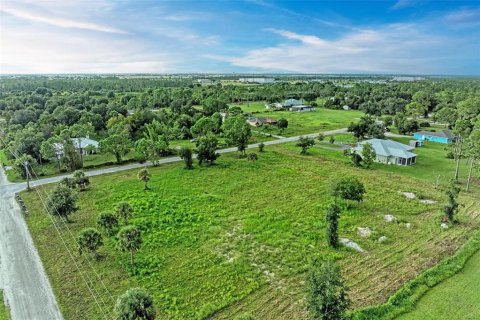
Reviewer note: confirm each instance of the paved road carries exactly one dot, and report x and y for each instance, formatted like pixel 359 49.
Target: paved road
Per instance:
pixel 22 277
pixel 21 186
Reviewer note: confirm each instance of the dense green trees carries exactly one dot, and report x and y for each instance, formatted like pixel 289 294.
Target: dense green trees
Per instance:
pixel 207 146
pixel 237 132
pixel 367 127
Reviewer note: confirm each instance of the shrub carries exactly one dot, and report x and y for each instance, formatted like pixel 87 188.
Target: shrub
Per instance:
pixel 349 188
pixel 135 304
pixel 108 222
pixel 261 146
pixel 327 294
pixel 424 124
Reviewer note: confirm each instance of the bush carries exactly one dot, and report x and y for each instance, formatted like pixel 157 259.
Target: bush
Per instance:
pixel 261 146
pixel 134 304
pixel 424 124
pixel 349 188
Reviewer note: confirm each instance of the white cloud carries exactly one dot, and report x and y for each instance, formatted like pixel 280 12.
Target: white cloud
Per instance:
pixel 400 4
pixel 464 17
pixel 399 48
pixel 22 52
pixel 38 14
pixel 191 16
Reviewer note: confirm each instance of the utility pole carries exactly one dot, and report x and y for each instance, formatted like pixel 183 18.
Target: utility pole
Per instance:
pixel 27 172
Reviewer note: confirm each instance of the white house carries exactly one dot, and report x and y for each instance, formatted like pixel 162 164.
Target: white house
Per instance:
pixel 389 152
pixel 83 144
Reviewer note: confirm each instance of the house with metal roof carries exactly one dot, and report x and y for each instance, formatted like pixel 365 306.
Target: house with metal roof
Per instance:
pixel 291 102
pixel 389 152
pixel 442 136
pixel 85 145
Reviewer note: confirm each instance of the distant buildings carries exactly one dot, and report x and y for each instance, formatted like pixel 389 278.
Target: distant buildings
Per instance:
pixel 257 80
pixel 389 152
pixel 296 106
pixel 407 78
pixel 204 81
pixel 443 136
pixel 260 121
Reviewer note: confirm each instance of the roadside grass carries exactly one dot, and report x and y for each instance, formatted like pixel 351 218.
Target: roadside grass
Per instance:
pixel 92 161
pixel 3 158
pixel 455 298
pixel 4 313
pixel 310 122
pixel 238 236
pixel 100 160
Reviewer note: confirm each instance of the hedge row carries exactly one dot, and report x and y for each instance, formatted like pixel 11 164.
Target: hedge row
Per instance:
pixel 405 298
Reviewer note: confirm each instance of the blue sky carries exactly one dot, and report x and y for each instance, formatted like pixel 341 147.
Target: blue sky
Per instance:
pixel 261 36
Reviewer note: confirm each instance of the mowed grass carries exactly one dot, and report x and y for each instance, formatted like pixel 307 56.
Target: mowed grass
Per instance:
pixel 4 313
pixel 238 236
pixel 310 122
pixel 454 298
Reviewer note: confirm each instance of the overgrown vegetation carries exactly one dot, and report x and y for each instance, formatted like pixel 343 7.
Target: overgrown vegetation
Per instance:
pixel 208 250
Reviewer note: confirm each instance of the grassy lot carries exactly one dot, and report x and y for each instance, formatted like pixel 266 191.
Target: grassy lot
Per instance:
pixel 238 236
pixel 454 298
pixel 89 162
pixel 4 313
pixel 309 122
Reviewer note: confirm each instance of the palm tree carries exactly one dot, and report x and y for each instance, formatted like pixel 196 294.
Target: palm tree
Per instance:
pixel 124 210
pixel 144 176
pixel 129 238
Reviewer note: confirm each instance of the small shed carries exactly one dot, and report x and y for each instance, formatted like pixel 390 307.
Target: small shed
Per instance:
pixel 415 143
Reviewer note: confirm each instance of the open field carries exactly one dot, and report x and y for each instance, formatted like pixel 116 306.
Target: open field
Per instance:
pixel 314 121
pixel 242 241
pixel 454 298
pixel 4 315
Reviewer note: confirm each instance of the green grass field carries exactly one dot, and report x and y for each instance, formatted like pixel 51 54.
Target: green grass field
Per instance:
pixel 238 236
pixel 4 313
pixel 310 122
pixel 454 298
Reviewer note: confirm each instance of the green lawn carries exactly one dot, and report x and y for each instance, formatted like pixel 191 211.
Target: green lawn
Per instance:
pixel 238 236
pixel 4 313
pixel 310 122
pixel 454 298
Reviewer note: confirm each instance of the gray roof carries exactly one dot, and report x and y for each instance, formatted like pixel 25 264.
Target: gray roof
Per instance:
pixel 388 148
pixel 84 142
pixel 441 134
pixel 292 102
